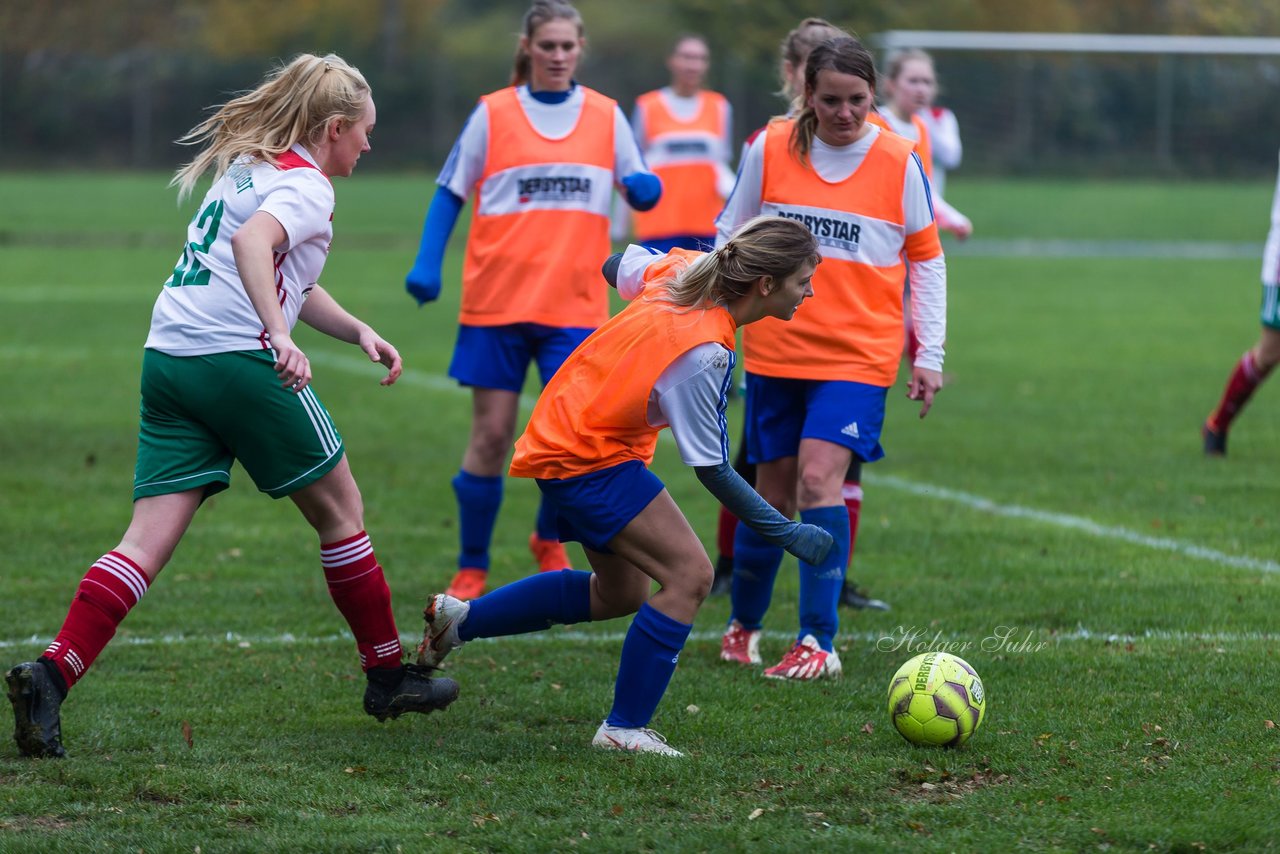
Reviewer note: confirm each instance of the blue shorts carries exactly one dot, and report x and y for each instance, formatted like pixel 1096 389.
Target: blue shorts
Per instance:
pixel 780 412
pixel 593 508
pixel 499 356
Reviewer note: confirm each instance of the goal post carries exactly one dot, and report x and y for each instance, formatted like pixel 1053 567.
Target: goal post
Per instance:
pixel 1079 102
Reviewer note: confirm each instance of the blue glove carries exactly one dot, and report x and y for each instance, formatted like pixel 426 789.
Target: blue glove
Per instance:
pixel 423 284
pixel 807 542
pixel 644 189
pixel 610 268
pixel 424 280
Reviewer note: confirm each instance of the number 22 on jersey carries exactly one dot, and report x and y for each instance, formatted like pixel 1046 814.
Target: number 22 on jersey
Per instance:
pixel 189 271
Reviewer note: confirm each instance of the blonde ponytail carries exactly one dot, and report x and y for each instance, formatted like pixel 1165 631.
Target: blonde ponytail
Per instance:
pixel 294 104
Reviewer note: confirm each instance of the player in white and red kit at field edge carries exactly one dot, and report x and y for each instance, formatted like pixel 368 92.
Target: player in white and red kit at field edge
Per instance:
pixel 222 381
pixel 1258 361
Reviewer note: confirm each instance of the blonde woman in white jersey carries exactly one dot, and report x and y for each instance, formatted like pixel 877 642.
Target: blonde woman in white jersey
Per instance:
pixel 223 380
pixel 910 85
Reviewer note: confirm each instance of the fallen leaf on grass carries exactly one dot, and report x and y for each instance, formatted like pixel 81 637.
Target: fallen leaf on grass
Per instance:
pixel 868 727
pixel 1269 724
pixel 186 733
pixel 755 814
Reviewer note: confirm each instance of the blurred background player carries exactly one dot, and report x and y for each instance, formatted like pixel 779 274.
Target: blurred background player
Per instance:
pixel 1257 362
pixel 795 50
pixel 910 86
pixel 944 140
pixel 685 133
pixel 542 157
pixel 665 360
pixel 222 380
pixel 816 388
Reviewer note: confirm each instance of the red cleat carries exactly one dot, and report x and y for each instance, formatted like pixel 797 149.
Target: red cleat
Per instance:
pixel 468 584
pixel 549 554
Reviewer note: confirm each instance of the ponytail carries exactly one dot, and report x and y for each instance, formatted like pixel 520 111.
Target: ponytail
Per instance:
pixel 294 104
pixel 771 246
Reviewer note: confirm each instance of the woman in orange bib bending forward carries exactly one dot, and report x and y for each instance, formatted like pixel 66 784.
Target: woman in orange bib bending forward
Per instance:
pixel 665 361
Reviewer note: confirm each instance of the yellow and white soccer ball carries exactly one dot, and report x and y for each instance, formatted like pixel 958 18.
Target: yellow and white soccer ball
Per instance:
pixel 937 699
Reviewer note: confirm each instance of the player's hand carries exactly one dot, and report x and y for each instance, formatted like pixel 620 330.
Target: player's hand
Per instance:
pixel 292 365
pixel 423 285
pixel 925 383
pixel 809 543
pixel 379 350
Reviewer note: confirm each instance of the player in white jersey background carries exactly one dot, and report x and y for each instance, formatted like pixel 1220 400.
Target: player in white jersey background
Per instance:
pixel 1259 360
pixel 222 379
pixel 910 85
pixel 541 159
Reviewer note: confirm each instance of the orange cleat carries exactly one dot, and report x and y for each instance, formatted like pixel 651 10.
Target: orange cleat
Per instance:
pixel 549 554
pixel 468 584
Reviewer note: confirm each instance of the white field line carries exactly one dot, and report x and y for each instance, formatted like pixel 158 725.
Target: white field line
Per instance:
pixel 1075 523
pixel 1194 250
pixel 898 638
pixel 941 493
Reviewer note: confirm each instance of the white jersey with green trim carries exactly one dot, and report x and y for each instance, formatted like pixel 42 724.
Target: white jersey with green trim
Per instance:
pixel 203 307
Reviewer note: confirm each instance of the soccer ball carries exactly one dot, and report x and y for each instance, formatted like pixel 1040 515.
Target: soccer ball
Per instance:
pixel 936 699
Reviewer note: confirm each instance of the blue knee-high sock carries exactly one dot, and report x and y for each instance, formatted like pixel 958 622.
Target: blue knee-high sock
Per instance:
pixel 546 526
pixel 478 501
pixel 530 605
pixel 755 566
pixel 820 584
pixel 649 656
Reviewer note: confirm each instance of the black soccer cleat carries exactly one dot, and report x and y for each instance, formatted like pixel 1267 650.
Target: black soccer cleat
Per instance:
pixel 37 723
pixel 722 583
pixel 1215 442
pixel 418 691
pixel 852 597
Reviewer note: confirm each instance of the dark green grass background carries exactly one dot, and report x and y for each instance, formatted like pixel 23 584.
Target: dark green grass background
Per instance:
pixel 1131 714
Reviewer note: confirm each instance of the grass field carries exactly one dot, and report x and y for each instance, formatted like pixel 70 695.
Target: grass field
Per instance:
pixel 1053 518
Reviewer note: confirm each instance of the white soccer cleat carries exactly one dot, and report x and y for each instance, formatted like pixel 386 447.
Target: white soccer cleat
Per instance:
pixel 443 615
pixel 740 645
pixel 806 661
pixel 632 740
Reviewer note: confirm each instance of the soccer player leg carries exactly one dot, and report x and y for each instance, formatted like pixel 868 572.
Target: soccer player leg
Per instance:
pixel 822 466
pixel 356 583
pixel 551 346
pixel 657 544
pixel 114 584
pixel 1249 373
pixel 593 508
pixel 774 419
pixel 492 361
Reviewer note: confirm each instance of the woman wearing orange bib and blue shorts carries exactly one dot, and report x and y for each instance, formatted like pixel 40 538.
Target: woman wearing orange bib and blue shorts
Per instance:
pixel 816 388
pixel 542 158
pixel 685 132
pixel 665 360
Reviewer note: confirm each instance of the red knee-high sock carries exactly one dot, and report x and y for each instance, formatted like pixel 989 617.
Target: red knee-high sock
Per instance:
pixel 361 594
pixel 1240 387
pixel 112 586
pixel 852 491
pixel 725 529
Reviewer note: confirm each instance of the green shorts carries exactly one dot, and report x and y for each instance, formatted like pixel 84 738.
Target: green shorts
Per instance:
pixel 200 413
pixel 1271 306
